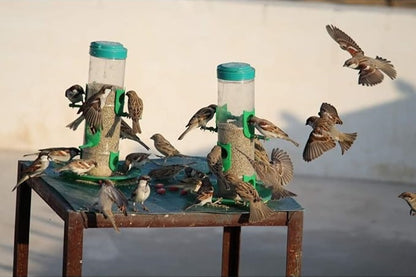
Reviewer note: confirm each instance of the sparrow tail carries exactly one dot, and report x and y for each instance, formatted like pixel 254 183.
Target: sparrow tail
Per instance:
pixel 74 124
pixel 136 127
pixel 346 140
pixel 294 142
pixel 21 181
pixel 184 133
pixel 387 67
pixel 110 216
pixel 282 193
pixel 258 211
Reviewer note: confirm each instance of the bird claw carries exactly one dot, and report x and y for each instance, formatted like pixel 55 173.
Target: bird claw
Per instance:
pixel 260 137
pixel 211 129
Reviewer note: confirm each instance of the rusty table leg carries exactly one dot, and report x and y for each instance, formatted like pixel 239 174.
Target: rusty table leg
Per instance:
pixel 22 228
pixel 294 243
pixel 73 243
pixel 230 251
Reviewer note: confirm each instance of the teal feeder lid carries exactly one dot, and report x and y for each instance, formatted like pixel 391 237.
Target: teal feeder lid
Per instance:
pixel 108 50
pixel 235 71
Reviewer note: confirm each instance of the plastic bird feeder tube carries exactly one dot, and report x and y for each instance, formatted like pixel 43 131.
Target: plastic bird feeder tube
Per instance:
pixel 107 67
pixel 235 106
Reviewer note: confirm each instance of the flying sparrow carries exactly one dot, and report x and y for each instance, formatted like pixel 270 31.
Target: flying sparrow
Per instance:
pixel 75 94
pixel 79 166
pixel 215 165
pixel 109 195
pixel 135 107
pixel 369 68
pixel 410 199
pixel 58 154
pixel 269 130
pixel 142 192
pixel 200 119
pixel 258 209
pixel 135 160
pixel 36 168
pixel 166 172
pixel 164 147
pixel 126 132
pixel 324 136
pixel 91 110
pixel 274 174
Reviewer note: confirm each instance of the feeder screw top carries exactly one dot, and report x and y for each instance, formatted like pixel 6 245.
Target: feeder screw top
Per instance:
pixel 108 50
pixel 235 71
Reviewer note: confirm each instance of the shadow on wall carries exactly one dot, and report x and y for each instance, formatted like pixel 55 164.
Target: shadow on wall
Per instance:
pixel 385 147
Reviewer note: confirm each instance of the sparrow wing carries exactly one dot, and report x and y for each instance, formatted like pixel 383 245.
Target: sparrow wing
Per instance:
pixel 344 41
pixel 317 144
pixel 282 164
pixel 370 76
pixel 92 114
pixel 329 112
pixel 166 148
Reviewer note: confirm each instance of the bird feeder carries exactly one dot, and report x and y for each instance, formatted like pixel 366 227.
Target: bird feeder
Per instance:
pixel 235 106
pixel 107 67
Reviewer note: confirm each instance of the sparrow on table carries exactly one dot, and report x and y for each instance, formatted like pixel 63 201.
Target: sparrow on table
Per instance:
pixel 258 209
pixel 274 174
pixel 75 94
pixel 269 130
pixel 215 165
pixel 200 119
pixel 166 172
pixel 126 132
pixel 142 192
pixel 164 147
pixel 324 136
pixel 79 166
pixel 135 108
pixel 91 110
pixel 205 193
pixel 109 195
pixel 135 160
pixel 410 199
pixel 370 69
pixel 36 168
pixel 58 154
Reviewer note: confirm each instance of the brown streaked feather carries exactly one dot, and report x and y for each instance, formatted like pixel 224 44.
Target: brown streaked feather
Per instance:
pixel 344 41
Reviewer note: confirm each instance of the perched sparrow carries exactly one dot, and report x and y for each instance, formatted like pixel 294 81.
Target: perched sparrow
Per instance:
pixel 75 94
pixel 58 154
pixel 260 154
pixel 164 147
pixel 126 132
pixel 324 136
pixel 135 107
pixel 79 166
pixel 214 161
pixel 370 73
pixel 205 193
pixel 276 174
pixel 269 130
pixel 91 110
pixel 166 172
pixel 200 119
pixel 142 192
pixel 109 195
pixel 36 168
pixel 135 160
pixel 410 198
pixel 258 209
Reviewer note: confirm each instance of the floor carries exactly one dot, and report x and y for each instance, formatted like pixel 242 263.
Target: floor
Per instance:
pixel 351 228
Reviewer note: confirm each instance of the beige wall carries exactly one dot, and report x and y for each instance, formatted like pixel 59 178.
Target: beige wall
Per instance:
pixel 173 50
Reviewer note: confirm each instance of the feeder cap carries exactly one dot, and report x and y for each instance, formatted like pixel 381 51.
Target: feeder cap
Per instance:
pixel 108 50
pixel 235 71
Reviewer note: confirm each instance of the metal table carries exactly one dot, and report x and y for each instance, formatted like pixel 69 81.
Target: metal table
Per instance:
pixel 69 199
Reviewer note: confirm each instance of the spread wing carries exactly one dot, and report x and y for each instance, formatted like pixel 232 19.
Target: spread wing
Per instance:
pixel 344 41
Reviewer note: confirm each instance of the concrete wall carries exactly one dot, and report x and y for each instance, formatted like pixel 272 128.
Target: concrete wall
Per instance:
pixel 174 48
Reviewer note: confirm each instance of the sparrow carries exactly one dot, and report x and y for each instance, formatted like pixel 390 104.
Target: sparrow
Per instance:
pixel 200 119
pixel 269 130
pixel 91 110
pixel 75 94
pixel 109 195
pixel 370 69
pixel 35 169
pixel 126 132
pixel 79 166
pixel 135 108
pixel 410 198
pixel 194 173
pixel 135 160
pixel 58 154
pixel 205 193
pixel 274 174
pixel 164 147
pixel 258 209
pixel 166 172
pixel 324 137
pixel 142 192
pixel 215 165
